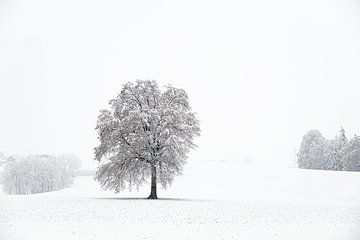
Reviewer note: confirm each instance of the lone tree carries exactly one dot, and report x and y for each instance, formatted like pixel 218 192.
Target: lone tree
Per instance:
pixel 146 134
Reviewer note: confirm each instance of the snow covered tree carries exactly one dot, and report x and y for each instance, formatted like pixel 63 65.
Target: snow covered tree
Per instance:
pixel 37 174
pixel 2 158
pixel 342 136
pixel 351 154
pixel 312 150
pixel 339 153
pixel 335 152
pixel 146 134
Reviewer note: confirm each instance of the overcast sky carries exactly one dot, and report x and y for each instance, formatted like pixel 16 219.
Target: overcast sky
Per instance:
pixel 258 73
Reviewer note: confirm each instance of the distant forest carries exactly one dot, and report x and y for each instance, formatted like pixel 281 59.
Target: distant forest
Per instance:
pixel 339 154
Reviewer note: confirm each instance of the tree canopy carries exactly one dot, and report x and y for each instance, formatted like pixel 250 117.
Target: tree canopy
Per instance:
pixel 145 133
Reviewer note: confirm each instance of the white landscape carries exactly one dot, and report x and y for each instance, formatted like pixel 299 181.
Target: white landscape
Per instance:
pixel 212 200
pixel 229 119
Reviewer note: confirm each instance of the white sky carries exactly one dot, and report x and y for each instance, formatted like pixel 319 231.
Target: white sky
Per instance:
pixel 259 73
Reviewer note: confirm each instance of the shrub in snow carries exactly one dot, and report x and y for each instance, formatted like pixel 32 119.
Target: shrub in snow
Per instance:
pixel 39 173
pixel 146 134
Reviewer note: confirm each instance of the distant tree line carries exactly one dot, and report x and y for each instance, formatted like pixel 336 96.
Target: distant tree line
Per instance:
pixel 38 173
pixel 338 154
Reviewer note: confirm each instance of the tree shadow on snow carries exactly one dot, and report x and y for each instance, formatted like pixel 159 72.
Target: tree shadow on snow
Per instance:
pixel 135 199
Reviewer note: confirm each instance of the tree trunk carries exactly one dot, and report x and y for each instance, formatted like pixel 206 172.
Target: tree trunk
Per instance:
pixel 153 194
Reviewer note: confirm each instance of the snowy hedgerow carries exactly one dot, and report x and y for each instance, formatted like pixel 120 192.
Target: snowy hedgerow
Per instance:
pixel 145 134
pixel 39 173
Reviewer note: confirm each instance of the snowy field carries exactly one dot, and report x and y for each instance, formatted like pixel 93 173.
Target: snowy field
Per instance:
pixel 212 200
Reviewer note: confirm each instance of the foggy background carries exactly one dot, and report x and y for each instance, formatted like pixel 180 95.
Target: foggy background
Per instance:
pixel 260 74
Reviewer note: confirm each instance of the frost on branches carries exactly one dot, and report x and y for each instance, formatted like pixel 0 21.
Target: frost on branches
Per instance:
pixel 146 134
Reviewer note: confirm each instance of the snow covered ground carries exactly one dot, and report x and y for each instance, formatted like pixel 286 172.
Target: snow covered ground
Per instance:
pixel 212 200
